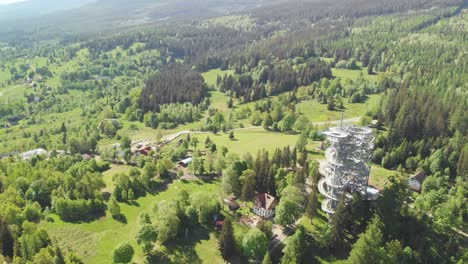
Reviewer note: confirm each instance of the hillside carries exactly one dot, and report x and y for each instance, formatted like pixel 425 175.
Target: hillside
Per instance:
pixel 234 131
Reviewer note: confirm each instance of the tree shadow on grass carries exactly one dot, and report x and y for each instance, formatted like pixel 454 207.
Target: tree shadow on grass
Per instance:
pixel 182 249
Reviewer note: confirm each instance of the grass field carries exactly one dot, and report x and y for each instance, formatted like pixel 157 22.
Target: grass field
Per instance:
pixel 96 240
pixel 211 75
pixel 352 74
pixel 219 100
pixel 250 140
pixel 317 112
pixel 107 175
pixel 379 175
pixel 13 92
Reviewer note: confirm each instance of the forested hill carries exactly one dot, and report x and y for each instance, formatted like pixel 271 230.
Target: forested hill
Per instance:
pixel 36 8
pixel 100 16
pixel 109 90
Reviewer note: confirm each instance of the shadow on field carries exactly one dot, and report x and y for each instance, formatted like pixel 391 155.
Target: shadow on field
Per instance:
pixel 182 249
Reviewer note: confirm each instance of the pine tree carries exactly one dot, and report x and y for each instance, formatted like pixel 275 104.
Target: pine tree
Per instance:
pixel 303 158
pixel 63 129
pixel 114 208
pixel 294 248
pixel 312 202
pixel 337 235
pixel 331 104
pixel 271 184
pixel 276 159
pixel 294 157
pixel 369 69
pixel 207 142
pixel 248 187
pixel 368 248
pixel 226 240
pixel 285 157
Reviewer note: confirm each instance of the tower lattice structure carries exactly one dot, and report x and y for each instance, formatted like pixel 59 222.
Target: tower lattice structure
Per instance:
pixel 348 164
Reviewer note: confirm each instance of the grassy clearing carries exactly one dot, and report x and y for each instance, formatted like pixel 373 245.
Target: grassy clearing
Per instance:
pixel 250 140
pixel 219 100
pixel 379 175
pixel 106 233
pixel 211 75
pixel 115 169
pixel 317 112
pixel 12 92
pixel 352 74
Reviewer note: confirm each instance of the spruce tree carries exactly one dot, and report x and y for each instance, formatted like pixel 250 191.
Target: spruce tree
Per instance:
pixel 226 240
pixel 294 248
pixel 294 157
pixel 271 181
pixel 248 187
pixel 337 235
pixel 312 202
pixel 368 248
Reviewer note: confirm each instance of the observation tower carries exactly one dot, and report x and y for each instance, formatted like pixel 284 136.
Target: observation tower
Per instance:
pixel 348 165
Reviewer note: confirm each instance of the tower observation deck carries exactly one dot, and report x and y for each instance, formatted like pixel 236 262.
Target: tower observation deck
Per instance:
pixel 348 164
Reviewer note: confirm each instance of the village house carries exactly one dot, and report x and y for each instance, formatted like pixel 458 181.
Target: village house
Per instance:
pixel 264 205
pixel 415 182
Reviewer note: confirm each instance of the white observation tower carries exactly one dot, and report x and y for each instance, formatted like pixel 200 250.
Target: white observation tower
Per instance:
pixel 348 165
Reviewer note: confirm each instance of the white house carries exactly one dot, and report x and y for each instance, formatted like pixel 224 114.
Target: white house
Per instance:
pixel 264 205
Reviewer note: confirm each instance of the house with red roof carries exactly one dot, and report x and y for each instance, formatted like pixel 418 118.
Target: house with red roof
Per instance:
pixel 264 205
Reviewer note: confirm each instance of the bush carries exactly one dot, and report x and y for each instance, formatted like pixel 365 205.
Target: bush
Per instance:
pixel 123 253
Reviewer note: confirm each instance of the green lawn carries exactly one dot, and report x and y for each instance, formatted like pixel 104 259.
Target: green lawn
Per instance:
pixel 96 240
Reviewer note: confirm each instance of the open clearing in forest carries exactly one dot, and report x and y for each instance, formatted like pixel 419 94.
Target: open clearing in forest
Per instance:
pixel 250 140
pixel 317 112
pixel 96 240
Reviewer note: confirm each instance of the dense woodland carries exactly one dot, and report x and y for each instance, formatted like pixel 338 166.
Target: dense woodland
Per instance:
pixel 91 88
